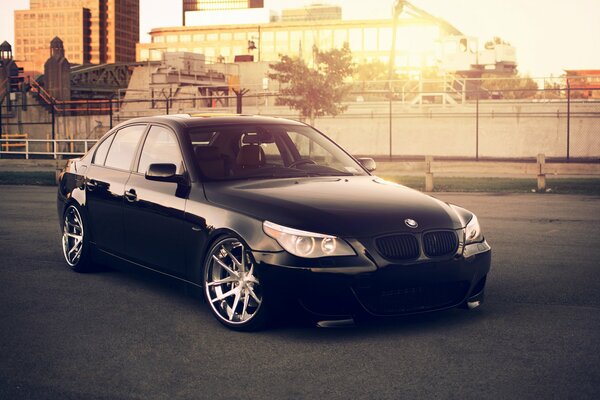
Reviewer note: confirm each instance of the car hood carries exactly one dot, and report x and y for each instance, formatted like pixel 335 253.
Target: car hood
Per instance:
pixel 354 206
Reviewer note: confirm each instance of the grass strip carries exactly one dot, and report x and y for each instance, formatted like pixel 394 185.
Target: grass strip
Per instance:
pixel 587 186
pixel 39 178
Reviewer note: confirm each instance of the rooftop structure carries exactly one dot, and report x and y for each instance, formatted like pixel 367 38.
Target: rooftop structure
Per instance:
pixel 312 13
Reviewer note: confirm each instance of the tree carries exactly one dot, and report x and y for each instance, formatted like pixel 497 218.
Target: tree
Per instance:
pixel 318 90
pixel 513 86
pixel 373 71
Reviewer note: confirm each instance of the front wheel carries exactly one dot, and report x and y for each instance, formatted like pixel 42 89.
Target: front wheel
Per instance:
pixel 231 287
pixel 74 240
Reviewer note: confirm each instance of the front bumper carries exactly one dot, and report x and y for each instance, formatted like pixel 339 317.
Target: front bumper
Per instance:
pixel 364 283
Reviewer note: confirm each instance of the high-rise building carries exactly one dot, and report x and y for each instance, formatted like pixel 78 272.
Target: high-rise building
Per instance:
pixel 207 5
pixel 93 31
pixel 219 5
pixel 312 13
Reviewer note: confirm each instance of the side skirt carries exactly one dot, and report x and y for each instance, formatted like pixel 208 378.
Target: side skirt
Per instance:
pixel 114 261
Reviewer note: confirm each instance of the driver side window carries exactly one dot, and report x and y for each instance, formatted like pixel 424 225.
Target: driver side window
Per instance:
pixel 161 146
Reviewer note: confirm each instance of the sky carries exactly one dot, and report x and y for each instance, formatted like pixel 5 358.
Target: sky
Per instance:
pixel 549 36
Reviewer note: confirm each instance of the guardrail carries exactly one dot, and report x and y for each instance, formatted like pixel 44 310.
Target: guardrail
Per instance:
pixel 45 147
pixel 19 140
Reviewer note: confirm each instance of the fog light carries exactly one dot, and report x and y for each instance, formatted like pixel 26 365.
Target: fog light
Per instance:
pixel 473 304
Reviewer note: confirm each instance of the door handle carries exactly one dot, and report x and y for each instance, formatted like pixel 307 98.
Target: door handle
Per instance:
pixel 91 184
pixel 131 195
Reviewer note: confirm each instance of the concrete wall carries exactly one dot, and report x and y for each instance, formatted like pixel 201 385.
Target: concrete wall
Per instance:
pixel 36 122
pixel 506 130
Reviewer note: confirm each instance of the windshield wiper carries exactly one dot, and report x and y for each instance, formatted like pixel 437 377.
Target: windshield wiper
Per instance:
pixel 328 173
pixel 273 175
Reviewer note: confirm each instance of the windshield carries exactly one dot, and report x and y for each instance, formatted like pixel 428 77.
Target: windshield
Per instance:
pixel 268 151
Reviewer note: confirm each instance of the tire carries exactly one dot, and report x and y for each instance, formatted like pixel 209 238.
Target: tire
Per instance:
pixel 231 287
pixel 75 242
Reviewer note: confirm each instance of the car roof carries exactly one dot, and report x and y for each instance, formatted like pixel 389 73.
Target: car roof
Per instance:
pixel 199 120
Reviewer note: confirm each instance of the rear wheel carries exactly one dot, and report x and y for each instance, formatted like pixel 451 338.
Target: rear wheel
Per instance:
pixel 231 287
pixel 74 240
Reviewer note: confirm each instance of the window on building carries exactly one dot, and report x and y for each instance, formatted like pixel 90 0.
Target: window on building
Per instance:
pixel 267 42
pixel 370 39
pixel 325 39
pixel 282 37
pixel 237 50
pixel 155 55
pixel 385 39
pixel 340 36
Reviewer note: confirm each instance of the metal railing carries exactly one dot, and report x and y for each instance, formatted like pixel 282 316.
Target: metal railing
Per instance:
pixel 54 148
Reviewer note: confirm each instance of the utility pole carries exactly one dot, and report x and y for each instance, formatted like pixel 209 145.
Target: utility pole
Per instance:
pixel 398 8
pixel 568 120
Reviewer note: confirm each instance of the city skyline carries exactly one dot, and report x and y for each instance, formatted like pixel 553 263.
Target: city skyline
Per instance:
pixel 548 40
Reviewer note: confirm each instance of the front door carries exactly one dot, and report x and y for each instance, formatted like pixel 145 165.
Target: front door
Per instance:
pixel 154 211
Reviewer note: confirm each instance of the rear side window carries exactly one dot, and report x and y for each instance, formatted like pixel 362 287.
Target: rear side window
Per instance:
pixel 161 146
pixel 123 147
pixel 102 150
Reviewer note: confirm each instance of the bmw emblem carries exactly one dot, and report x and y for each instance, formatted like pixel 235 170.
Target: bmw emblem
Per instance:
pixel 411 223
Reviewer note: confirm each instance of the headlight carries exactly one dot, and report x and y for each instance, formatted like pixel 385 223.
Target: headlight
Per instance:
pixel 307 244
pixel 473 232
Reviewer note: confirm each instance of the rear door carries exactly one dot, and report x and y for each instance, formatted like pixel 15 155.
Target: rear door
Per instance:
pixel 105 186
pixel 154 211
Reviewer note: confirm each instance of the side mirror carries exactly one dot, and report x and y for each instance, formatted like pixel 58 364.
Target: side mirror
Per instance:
pixel 368 163
pixel 164 173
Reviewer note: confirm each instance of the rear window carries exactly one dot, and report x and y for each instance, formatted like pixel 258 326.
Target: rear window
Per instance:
pixel 102 150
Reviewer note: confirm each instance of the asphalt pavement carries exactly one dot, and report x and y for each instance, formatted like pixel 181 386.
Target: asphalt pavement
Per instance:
pixel 119 335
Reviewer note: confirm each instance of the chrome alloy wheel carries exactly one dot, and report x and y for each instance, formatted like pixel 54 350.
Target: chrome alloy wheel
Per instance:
pixel 230 283
pixel 72 239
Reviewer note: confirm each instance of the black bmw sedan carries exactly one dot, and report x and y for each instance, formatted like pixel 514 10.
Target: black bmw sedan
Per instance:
pixel 262 212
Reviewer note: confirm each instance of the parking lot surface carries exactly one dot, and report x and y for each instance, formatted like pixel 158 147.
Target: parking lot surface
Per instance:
pixel 123 335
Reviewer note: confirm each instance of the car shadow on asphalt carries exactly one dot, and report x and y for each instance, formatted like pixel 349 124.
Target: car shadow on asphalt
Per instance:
pixel 297 323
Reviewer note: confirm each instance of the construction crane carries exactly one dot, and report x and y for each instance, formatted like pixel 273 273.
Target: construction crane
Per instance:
pixel 398 8
pixel 467 58
pixel 403 6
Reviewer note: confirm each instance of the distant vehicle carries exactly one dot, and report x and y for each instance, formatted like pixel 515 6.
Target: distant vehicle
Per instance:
pixel 258 211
